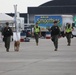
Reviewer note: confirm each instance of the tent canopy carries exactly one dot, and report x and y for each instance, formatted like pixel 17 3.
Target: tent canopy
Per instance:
pixel 6 18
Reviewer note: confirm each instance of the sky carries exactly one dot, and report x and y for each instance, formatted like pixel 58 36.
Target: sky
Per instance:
pixel 7 6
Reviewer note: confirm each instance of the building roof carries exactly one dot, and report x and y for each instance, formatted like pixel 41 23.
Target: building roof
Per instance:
pixel 24 15
pixel 60 3
pixel 55 7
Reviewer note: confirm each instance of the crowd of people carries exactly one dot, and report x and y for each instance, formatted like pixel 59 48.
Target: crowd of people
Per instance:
pixel 54 32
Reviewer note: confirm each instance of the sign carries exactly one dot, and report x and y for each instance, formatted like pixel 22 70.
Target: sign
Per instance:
pixel 74 19
pixel 47 21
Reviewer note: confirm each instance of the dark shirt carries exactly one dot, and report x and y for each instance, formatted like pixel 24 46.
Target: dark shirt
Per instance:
pixel 7 32
pixel 54 30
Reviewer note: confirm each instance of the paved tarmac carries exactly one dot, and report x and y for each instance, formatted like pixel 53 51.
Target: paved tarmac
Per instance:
pixel 39 60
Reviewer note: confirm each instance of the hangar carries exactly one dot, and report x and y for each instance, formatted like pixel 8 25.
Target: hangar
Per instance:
pixel 56 8
pixel 66 9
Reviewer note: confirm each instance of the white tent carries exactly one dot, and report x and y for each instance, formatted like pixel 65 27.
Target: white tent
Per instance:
pixel 6 18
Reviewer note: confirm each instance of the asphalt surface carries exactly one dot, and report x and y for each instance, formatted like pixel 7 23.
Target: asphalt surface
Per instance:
pixel 39 60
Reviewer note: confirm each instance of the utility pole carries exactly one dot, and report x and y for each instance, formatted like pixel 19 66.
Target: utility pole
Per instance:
pixel 15 8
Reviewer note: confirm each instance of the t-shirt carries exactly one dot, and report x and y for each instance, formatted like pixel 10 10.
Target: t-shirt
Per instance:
pixel 16 36
pixel 54 30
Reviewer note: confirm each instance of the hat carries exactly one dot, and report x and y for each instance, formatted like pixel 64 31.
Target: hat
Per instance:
pixel 55 21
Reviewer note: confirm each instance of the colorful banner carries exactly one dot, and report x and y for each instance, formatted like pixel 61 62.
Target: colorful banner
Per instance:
pixel 47 21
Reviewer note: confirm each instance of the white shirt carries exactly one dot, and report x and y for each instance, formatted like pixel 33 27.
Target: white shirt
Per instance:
pixel 16 36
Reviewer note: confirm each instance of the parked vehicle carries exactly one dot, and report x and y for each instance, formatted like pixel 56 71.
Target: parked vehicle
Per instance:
pixel 28 30
pixel 28 33
pixel 48 35
pixel 74 32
